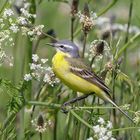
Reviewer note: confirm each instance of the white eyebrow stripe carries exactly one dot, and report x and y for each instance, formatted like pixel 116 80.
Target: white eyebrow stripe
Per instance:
pixel 68 46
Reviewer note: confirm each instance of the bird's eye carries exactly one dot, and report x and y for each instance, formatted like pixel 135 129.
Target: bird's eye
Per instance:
pixel 61 46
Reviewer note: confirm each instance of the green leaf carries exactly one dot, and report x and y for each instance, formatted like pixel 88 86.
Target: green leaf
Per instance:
pixel 122 77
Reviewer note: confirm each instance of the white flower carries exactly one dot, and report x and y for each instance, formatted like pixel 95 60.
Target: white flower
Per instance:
pixel 96 128
pixel 104 138
pixel 8 12
pixel 109 125
pixel 103 130
pixel 25 12
pixel 27 77
pixel 14 28
pixel 109 134
pixel 36 67
pixel 30 33
pixel 1 20
pixel 35 57
pixel 112 139
pixel 44 60
pixel 11 64
pixel 22 20
pixel 90 138
pixel 47 78
pixel 101 120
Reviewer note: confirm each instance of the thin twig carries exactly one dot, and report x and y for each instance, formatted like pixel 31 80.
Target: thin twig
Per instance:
pixel 81 120
pixel 126 40
pixel 131 40
pixel 36 98
pixel 40 136
pixel 72 28
pixel 113 96
pixel 84 45
pixel 3 6
pixel 92 60
pixel 107 8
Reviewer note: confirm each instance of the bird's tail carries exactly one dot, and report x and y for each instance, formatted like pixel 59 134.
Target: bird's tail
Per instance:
pixel 113 103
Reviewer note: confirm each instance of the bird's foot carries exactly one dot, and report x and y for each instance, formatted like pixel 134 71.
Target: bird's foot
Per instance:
pixel 65 108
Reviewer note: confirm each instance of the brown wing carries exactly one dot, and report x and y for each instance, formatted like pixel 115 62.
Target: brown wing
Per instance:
pixel 78 68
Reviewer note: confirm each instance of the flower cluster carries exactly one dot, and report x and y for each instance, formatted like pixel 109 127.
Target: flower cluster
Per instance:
pixel 40 124
pixel 137 117
pixel 99 48
pixel 10 24
pixel 33 32
pixel 88 22
pixel 102 130
pixel 87 18
pixel 40 70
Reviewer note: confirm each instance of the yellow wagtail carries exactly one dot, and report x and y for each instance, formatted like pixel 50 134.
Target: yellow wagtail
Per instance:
pixel 71 70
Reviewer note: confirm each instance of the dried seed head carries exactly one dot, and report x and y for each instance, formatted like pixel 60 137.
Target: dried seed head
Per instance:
pixel 86 10
pixel 87 24
pixel 105 35
pixel 40 120
pixel 74 7
pixel 40 124
pixel 100 48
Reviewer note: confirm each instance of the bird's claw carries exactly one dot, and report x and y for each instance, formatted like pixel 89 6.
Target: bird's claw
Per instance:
pixel 64 108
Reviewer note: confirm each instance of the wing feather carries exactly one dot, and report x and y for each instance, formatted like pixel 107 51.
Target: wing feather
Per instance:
pixel 78 68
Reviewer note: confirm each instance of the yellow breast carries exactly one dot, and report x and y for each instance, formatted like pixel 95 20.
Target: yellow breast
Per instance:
pixel 62 70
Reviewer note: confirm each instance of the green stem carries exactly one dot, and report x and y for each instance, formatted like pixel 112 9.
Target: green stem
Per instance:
pixel 113 97
pixel 92 60
pixel 72 27
pixel 107 8
pixel 36 98
pixel 131 40
pixel 40 136
pixel 67 124
pixel 125 128
pixel 51 105
pixel 80 119
pixel 47 35
pixel 3 6
pixel 84 45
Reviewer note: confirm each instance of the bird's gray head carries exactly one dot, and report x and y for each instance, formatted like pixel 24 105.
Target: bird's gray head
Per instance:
pixel 67 47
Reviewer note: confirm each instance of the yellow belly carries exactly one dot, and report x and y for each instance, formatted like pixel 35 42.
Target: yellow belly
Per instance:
pixel 62 71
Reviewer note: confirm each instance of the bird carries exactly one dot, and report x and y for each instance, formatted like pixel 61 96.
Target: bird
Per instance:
pixel 70 68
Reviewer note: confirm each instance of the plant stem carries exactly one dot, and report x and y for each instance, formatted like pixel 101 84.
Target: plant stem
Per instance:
pixel 80 119
pixel 131 40
pixel 3 6
pixel 36 98
pixel 92 60
pixel 113 97
pixel 49 36
pixel 107 8
pixel 72 27
pixel 84 44
pixel 40 136
pixel 125 128
pixel 126 40
pixel 50 105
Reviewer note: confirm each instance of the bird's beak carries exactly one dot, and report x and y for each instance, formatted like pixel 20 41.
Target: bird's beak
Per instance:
pixel 51 44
